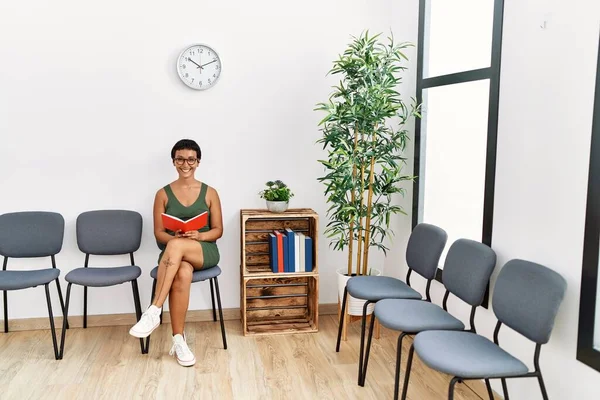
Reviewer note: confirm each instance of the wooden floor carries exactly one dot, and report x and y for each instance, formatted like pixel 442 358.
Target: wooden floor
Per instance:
pixel 106 363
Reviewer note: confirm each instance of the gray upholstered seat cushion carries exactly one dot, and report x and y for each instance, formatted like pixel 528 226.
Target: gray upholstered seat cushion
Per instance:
pixel 466 355
pixel 15 280
pixel 103 276
pixel 380 287
pixel 414 316
pixel 200 275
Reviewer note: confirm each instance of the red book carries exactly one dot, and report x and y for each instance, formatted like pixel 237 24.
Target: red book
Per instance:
pixel 279 251
pixel 193 224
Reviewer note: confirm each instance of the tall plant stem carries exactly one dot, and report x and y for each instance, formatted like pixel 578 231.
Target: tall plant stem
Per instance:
pixel 362 199
pixel 369 205
pixel 352 198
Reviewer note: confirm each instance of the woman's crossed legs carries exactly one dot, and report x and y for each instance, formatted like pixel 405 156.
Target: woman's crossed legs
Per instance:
pixel 173 279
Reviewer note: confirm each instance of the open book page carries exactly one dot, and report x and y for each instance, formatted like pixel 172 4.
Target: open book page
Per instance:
pixel 174 224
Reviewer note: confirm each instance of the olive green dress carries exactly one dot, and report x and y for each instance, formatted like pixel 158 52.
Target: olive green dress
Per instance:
pixel 175 208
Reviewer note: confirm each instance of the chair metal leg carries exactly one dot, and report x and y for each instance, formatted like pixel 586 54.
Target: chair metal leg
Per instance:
pixel 85 306
pixel 5 311
pixel 62 302
pixel 542 386
pixel 364 371
pixel 212 298
pixel 362 340
pixel 138 309
pixel 51 316
pixel 64 330
pixel 151 299
pixel 406 374
pixel 398 363
pixel 504 389
pixel 221 314
pixel 489 389
pixel 341 322
pixel 451 388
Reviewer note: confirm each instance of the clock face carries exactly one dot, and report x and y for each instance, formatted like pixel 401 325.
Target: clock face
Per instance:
pixel 199 67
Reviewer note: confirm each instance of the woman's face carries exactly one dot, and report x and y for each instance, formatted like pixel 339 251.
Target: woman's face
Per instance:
pixel 186 163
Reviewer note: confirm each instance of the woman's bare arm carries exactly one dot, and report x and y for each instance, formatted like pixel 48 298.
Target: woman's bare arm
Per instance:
pixel 216 217
pixel 160 200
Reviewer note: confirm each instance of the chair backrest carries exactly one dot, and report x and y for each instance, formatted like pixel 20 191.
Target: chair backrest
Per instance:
pixel 425 246
pixel 467 270
pixel 109 232
pixel 527 297
pixel 29 234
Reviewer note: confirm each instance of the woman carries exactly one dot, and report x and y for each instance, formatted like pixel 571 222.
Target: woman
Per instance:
pixel 182 252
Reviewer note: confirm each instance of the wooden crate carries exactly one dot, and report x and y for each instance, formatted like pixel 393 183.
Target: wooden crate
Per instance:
pixel 280 305
pixel 285 302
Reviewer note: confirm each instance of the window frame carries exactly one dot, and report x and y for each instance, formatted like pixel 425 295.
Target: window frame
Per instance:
pixel 588 299
pixel 493 74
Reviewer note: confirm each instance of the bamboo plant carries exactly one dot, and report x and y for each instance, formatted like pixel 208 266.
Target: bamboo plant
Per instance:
pixel 364 133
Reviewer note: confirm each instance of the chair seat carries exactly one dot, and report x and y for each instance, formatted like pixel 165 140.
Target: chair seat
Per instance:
pixel 414 316
pixel 376 288
pixel 466 355
pixel 103 276
pixel 16 280
pixel 199 275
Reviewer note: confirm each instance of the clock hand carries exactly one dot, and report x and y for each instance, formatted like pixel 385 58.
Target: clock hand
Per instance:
pixel 199 66
pixel 207 63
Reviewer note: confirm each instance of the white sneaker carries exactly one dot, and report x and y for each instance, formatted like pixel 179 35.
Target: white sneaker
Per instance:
pixel 148 322
pixel 184 355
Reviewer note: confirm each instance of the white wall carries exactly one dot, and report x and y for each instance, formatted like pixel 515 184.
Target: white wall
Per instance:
pixel 91 104
pixel 546 104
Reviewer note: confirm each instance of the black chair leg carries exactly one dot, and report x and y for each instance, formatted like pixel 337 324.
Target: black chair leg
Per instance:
pixel 64 330
pixel 504 389
pixel 221 313
pixel 151 299
pixel 138 309
pixel 451 388
pixel 54 343
pixel 212 299
pixel 542 386
pixel 364 371
pixel 62 302
pixel 362 340
pixel 489 389
pixel 341 322
pixel 398 363
pixel 85 307
pixel 406 374
pixel 5 311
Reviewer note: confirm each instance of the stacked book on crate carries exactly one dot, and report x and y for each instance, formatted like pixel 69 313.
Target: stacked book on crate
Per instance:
pixel 290 251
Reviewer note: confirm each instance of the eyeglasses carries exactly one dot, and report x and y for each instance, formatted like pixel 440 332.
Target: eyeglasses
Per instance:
pixel 190 161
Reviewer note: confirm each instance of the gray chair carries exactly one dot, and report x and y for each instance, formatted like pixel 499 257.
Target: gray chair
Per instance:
pixel 210 274
pixel 467 270
pixel 424 249
pixel 526 298
pixel 31 234
pixel 106 232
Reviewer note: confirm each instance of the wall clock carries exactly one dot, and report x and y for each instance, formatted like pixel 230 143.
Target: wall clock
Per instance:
pixel 199 66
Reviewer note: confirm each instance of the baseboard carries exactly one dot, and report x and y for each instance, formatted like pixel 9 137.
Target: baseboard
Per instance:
pixel 76 321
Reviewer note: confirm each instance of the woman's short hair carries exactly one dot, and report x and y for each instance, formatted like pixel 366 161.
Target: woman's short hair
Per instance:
pixel 186 144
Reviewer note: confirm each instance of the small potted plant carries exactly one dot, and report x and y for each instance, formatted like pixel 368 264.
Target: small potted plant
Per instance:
pixel 277 194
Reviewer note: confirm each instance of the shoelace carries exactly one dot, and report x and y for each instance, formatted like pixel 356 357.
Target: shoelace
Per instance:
pixel 179 348
pixel 145 319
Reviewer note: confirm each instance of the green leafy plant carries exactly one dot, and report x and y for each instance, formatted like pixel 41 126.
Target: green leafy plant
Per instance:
pixel 363 169
pixel 276 191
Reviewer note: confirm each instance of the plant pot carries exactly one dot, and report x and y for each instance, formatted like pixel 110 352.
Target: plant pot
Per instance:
pixel 277 206
pixel 354 306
